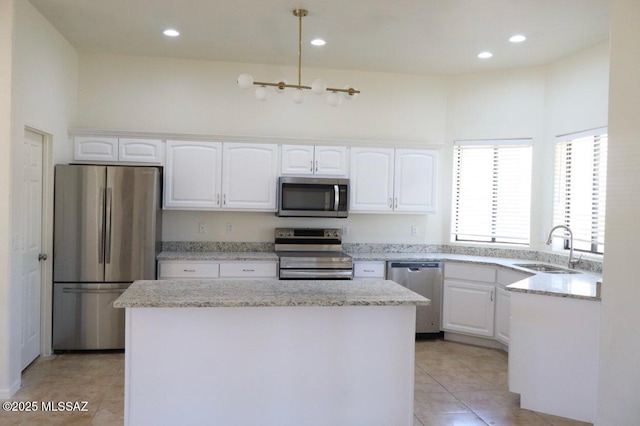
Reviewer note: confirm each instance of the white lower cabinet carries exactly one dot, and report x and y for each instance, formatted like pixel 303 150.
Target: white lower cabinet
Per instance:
pixel 468 307
pixel 369 270
pixel 205 269
pixel 191 270
pixel 249 270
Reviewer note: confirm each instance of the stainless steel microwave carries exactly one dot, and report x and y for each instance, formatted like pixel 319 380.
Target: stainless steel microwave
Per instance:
pixel 312 197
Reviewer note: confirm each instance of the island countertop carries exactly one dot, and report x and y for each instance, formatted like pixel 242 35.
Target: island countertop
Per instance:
pixel 271 293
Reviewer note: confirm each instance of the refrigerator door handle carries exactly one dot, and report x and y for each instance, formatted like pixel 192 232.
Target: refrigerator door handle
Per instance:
pixel 109 200
pixel 101 197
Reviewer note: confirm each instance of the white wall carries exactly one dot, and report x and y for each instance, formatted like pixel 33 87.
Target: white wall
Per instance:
pixel 7 317
pixel 200 97
pixel 620 327
pixel 44 97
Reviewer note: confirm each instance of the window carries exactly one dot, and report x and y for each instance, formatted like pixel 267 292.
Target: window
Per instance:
pixel 492 191
pixel 580 182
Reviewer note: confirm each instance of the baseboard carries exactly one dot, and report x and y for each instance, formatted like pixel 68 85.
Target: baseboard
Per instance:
pixel 8 393
pixel 475 340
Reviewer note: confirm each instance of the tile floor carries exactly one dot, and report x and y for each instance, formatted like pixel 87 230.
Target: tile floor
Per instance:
pixel 455 384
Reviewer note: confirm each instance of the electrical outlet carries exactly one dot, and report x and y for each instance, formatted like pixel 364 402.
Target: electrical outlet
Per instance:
pixel 345 230
pixel 229 228
pixel 414 230
pixel 202 228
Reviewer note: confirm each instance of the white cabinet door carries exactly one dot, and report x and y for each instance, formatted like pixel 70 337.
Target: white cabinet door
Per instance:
pixel 318 160
pixel 140 150
pixel 88 148
pixel 297 159
pixel 192 175
pixel 468 307
pixel 330 160
pixel 503 315
pixel 250 173
pixel 415 180
pixel 371 180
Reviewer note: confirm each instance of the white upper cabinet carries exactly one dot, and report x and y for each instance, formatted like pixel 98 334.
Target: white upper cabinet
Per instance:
pixel 140 150
pixel 192 175
pixel 249 176
pixel 111 149
pixel 213 175
pixel 415 180
pixel 371 185
pixel 88 148
pixel 310 160
pixel 393 180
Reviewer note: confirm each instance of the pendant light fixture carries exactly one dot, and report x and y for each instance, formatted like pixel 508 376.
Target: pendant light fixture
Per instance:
pixel 298 95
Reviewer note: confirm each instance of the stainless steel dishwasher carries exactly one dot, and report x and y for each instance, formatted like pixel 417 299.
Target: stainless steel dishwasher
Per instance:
pixel 424 278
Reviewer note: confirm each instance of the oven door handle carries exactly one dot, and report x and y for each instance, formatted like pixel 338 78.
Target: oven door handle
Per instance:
pixel 336 195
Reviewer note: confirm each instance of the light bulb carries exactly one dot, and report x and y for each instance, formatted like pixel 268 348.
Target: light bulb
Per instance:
pixel 262 93
pixel 319 86
pixel 347 95
pixel 298 96
pixel 334 99
pixel 245 81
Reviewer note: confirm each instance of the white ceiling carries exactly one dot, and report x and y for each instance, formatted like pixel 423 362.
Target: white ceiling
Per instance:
pixel 405 36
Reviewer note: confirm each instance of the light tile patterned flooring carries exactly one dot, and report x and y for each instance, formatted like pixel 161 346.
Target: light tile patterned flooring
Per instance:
pixel 455 384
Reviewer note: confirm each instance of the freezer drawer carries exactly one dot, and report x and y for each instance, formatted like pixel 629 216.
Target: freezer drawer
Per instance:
pixel 84 317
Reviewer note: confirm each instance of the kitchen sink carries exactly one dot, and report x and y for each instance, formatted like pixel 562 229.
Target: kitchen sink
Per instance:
pixel 549 269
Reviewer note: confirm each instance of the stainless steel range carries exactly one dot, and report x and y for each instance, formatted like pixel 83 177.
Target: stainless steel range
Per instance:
pixel 312 254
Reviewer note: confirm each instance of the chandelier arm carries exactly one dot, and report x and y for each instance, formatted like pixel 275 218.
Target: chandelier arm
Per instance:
pixel 291 86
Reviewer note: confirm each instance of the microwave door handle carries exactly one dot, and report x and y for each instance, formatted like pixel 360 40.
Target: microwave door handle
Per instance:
pixel 336 200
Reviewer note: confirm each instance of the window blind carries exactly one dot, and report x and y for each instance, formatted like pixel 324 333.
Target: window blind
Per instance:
pixel 492 191
pixel 580 181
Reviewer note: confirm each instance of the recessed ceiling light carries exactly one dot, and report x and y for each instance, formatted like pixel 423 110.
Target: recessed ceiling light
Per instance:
pixel 518 38
pixel 171 32
pixel 485 55
pixel 318 42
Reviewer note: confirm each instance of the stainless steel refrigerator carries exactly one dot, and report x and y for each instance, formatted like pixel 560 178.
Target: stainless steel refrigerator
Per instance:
pixel 107 230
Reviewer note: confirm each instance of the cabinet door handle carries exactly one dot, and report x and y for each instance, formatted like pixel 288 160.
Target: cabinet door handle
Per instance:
pixel 396 203
pixel 492 295
pixel 311 166
pixel 189 270
pixel 248 270
pixel 224 199
pixel 217 199
pixel 390 202
pixel 316 165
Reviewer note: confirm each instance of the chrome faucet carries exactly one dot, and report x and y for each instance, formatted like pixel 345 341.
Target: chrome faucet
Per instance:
pixel 571 263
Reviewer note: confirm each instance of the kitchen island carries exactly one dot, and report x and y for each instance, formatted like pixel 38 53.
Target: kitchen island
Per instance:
pixel 269 352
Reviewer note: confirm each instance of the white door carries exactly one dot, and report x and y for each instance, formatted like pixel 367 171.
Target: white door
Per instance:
pixel 415 180
pixel 31 274
pixel 249 176
pixel 192 175
pixel 297 160
pixel 468 307
pixel 331 160
pixel 371 180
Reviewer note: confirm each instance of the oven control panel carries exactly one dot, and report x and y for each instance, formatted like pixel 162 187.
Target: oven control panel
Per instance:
pixel 306 233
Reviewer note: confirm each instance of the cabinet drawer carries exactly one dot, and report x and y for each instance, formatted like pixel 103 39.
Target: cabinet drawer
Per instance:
pixel 187 270
pixel 249 270
pixel 465 271
pixel 368 270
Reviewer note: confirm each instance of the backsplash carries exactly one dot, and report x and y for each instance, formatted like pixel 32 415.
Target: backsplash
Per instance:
pixel 556 259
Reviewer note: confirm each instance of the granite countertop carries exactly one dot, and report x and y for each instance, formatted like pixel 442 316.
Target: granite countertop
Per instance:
pixel 577 286
pixel 273 293
pixel 218 255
